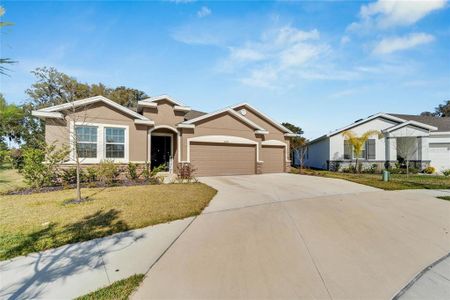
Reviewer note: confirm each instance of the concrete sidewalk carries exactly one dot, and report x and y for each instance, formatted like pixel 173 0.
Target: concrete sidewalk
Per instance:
pixel 431 283
pixel 77 269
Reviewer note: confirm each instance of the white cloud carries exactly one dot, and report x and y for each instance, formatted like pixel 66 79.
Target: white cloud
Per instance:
pixel 393 44
pixel 345 40
pixel 387 13
pixel 273 57
pixel 203 12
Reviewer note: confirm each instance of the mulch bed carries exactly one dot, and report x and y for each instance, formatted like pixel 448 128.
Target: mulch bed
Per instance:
pixel 28 191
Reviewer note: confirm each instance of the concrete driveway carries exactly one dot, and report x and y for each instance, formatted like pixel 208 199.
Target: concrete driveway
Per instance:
pixel 292 236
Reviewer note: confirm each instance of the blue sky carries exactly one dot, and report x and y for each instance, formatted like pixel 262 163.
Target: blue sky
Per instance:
pixel 320 65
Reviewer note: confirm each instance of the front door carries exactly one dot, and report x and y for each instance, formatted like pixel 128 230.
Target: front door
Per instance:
pixel 161 148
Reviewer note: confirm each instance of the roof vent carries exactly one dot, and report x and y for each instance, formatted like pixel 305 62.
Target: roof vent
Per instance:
pixel 243 111
pixel 359 120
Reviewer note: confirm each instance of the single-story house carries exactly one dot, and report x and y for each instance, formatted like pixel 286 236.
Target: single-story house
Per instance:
pixel 423 140
pixel 234 140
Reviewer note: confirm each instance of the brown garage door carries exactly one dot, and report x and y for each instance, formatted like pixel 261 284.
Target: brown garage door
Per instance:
pixel 223 159
pixel 273 159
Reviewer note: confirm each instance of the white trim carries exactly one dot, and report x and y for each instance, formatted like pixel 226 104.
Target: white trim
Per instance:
pixel 411 122
pixel 90 100
pixel 174 130
pixel 292 135
pixel 264 132
pixel 440 133
pixel 143 103
pixel 144 122
pixel 230 111
pixel 278 143
pixel 45 114
pixel 181 125
pixel 220 139
pixel 182 108
pixel 101 145
pixel 264 116
pixel 163 97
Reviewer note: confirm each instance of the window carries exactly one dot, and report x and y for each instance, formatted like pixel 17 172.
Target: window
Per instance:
pixel 86 141
pixel 348 150
pixel 367 152
pixel 115 142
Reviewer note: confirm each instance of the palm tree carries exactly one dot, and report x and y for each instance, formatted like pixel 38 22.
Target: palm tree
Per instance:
pixel 358 142
pixel 3 61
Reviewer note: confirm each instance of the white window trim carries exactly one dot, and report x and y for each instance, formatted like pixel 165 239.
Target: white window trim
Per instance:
pixel 101 145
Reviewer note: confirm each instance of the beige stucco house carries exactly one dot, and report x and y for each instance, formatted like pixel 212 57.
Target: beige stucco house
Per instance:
pixel 234 140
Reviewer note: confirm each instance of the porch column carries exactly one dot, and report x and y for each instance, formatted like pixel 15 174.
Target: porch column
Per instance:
pixel 423 145
pixel 391 149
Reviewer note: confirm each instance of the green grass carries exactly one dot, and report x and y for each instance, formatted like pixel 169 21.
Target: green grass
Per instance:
pixel 445 198
pixel 36 222
pixel 121 289
pixel 10 179
pixel 397 181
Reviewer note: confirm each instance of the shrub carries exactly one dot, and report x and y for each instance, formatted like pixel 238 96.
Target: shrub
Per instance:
pixel 107 171
pixel 349 169
pixel 91 174
pixel 69 176
pixel 132 171
pixel 186 172
pixel 371 170
pixel 17 159
pixel 429 170
pixel 41 166
pixel 446 172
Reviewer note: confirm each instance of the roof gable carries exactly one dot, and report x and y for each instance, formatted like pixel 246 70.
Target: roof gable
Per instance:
pixel 228 111
pixel 152 102
pixel 87 101
pixel 263 116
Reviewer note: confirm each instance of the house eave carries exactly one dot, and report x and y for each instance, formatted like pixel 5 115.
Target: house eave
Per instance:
pixel 47 115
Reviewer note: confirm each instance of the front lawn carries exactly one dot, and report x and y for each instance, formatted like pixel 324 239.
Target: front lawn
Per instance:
pixel 30 223
pixel 119 290
pixel 10 179
pixel 397 181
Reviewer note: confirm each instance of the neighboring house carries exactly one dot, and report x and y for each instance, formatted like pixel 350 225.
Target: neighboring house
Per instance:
pixel 424 140
pixel 234 140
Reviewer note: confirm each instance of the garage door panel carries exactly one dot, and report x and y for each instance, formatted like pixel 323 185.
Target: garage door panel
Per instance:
pixel 440 155
pixel 210 159
pixel 273 159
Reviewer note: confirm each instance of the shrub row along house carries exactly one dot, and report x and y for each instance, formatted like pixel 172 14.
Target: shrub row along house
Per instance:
pixel 234 140
pixel 422 140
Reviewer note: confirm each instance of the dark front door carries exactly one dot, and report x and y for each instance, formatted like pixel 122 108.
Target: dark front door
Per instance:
pixel 161 148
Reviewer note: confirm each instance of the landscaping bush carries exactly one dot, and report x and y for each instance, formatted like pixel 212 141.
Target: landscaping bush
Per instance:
pixel 69 176
pixel 371 170
pixel 17 159
pixel 446 172
pixel 132 171
pixel 38 173
pixel 429 170
pixel 349 169
pixel 91 174
pixel 186 172
pixel 107 171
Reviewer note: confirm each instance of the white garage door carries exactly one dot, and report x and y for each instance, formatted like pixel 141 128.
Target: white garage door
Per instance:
pixel 440 156
pixel 223 159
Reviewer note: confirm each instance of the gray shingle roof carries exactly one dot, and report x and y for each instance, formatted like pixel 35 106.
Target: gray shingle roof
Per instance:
pixel 192 114
pixel 443 124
